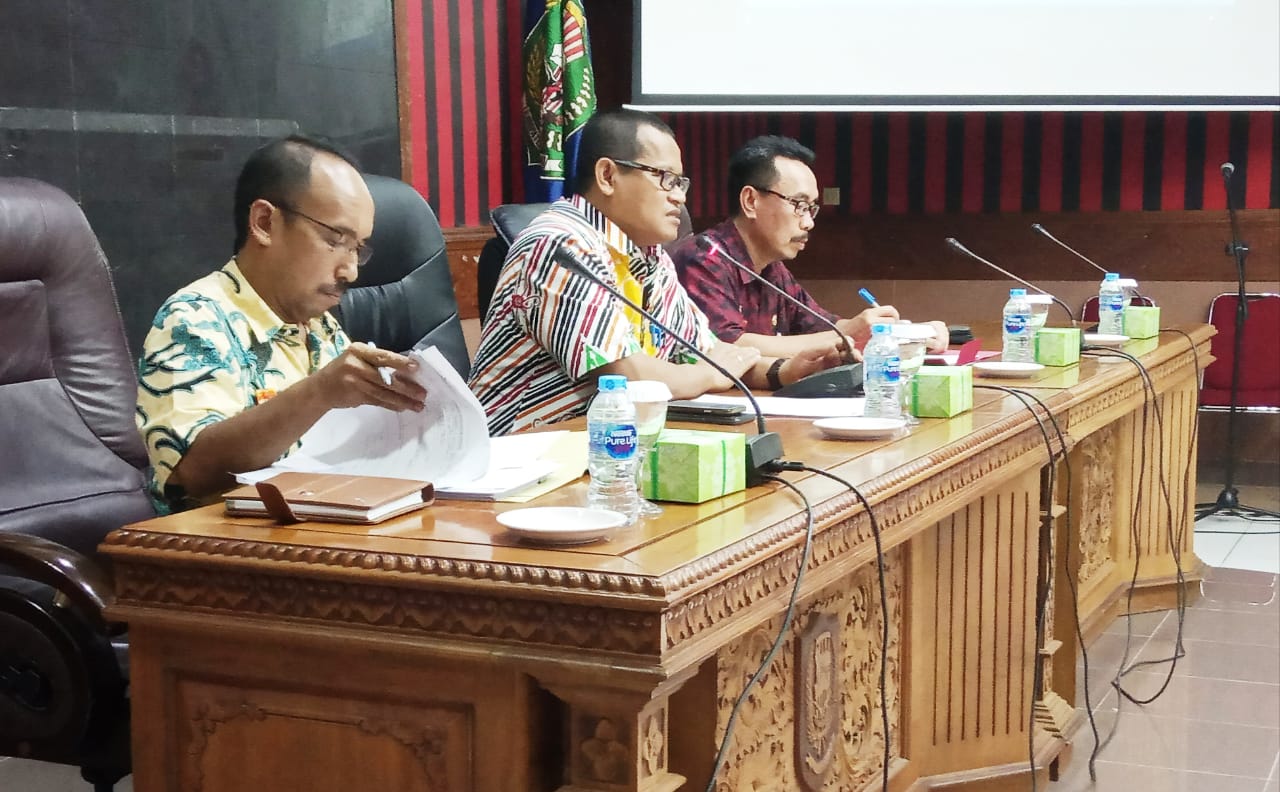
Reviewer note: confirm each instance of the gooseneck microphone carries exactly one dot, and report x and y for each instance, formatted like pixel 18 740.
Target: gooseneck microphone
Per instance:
pixel 955 243
pixel 1043 232
pixel 844 339
pixel 843 381
pixel 764 449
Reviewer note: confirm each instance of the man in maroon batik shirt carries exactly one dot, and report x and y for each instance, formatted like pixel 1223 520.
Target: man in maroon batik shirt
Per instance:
pixel 775 197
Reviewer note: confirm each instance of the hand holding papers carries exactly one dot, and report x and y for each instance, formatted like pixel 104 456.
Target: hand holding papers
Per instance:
pixel 447 443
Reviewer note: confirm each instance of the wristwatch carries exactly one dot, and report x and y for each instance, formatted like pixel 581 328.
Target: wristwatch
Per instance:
pixel 775 382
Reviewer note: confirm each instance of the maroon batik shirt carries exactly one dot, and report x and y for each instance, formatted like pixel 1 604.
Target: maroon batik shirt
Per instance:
pixel 736 303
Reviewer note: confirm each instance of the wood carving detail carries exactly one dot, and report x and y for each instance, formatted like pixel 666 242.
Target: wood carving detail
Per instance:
pixel 510 619
pixel 776 744
pixel 604 756
pixel 834 544
pixel 1097 473
pixel 817 700
pixel 427 743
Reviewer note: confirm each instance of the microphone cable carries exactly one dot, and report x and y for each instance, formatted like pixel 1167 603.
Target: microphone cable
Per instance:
pixel 1174 537
pixel 884 610
pixel 1042 597
pixel 787 619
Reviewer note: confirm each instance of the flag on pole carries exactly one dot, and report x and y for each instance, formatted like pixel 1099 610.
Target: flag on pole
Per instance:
pixel 559 94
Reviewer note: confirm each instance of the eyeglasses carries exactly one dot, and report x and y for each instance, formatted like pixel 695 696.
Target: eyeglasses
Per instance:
pixel 667 180
pixel 801 206
pixel 344 238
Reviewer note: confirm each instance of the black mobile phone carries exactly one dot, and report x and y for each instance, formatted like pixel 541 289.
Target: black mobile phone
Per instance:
pixel 702 408
pixel 722 419
pixel 702 412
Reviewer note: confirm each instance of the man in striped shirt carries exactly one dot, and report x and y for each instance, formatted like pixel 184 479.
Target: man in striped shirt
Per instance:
pixel 550 331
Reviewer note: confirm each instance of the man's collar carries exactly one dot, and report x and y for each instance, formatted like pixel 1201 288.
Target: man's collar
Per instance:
pixel 614 236
pixel 727 235
pixel 256 309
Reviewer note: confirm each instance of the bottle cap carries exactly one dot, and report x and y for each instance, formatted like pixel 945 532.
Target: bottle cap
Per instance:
pixel 612 382
pixel 1111 276
pixel 879 329
pixel 1017 292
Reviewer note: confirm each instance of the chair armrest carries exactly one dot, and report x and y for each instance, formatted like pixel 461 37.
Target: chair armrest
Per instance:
pixel 75 576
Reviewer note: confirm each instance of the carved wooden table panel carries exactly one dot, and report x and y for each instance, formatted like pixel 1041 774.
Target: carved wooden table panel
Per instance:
pixel 437 652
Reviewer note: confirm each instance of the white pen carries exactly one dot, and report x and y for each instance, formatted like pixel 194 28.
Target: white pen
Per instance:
pixel 385 371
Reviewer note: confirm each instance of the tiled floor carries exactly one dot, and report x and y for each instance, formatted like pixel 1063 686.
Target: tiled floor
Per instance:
pixel 1216 728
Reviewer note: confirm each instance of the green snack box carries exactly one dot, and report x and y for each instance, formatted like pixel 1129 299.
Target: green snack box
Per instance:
pixel 941 391
pixel 692 466
pixel 1142 321
pixel 1058 346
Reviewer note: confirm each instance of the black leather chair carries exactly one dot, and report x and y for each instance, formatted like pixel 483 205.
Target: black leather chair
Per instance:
pixel 508 221
pixel 404 297
pixel 73 469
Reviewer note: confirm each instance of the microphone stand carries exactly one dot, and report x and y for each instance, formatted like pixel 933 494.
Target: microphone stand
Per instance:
pixel 1228 501
pixel 955 245
pixel 845 343
pixel 839 381
pixel 764 449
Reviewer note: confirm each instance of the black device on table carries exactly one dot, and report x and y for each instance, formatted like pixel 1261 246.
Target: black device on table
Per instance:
pixel 704 412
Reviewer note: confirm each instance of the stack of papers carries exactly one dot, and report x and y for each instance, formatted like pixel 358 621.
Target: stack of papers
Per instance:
pixel 447 443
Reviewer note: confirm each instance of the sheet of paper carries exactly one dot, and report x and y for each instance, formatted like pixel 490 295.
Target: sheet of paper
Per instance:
pixel 569 454
pixel 793 408
pixel 447 441
pixel 952 358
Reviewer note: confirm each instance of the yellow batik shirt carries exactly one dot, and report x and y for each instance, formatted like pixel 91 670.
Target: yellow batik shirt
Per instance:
pixel 214 350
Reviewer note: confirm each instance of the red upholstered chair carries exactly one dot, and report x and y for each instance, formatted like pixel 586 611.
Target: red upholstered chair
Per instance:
pixel 1259 360
pixel 1089 312
pixel 73 469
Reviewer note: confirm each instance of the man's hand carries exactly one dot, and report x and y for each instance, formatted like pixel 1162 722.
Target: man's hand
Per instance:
pixel 738 360
pixel 355 378
pixel 941 339
pixel 810 361
pixel 859 327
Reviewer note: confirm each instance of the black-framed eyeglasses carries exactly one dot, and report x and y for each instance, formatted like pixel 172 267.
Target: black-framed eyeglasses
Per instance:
pixel 344 238
pixel 801 206
pixel 667 180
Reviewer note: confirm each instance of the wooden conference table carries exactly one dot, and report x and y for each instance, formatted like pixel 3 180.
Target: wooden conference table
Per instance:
pixel 435 652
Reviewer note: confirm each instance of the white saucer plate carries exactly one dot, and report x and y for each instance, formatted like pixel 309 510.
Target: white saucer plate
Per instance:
pixel 1105 339
pixel 858 427
pixel 562 525
pixel 1006 370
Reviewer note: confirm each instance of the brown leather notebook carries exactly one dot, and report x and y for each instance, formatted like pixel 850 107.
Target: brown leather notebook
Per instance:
pixel 329 497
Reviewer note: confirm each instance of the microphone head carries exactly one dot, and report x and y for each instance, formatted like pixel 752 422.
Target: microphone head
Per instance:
pixel 1228 169
pixel 1037 227
pixel 955 243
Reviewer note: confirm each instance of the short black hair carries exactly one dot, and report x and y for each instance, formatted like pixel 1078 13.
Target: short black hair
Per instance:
pixel 278 172
pixel 613 134
pixel 753 164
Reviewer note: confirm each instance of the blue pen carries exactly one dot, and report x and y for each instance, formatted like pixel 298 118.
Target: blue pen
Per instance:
pixel 869 297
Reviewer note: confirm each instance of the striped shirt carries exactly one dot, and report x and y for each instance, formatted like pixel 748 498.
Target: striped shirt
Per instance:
pixel 548 327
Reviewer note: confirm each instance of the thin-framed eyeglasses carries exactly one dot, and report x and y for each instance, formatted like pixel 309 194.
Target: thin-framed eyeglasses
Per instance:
pixel 801 206
pixel 667 180
pixel 344 239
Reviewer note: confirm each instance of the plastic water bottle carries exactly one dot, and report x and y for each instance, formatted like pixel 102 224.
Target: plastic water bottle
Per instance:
pixel 1017 329
pixel 611 433
pixel 881 368
pixel 1111 300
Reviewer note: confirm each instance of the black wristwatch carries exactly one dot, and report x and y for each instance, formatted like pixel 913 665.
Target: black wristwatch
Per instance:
pixel 775 382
